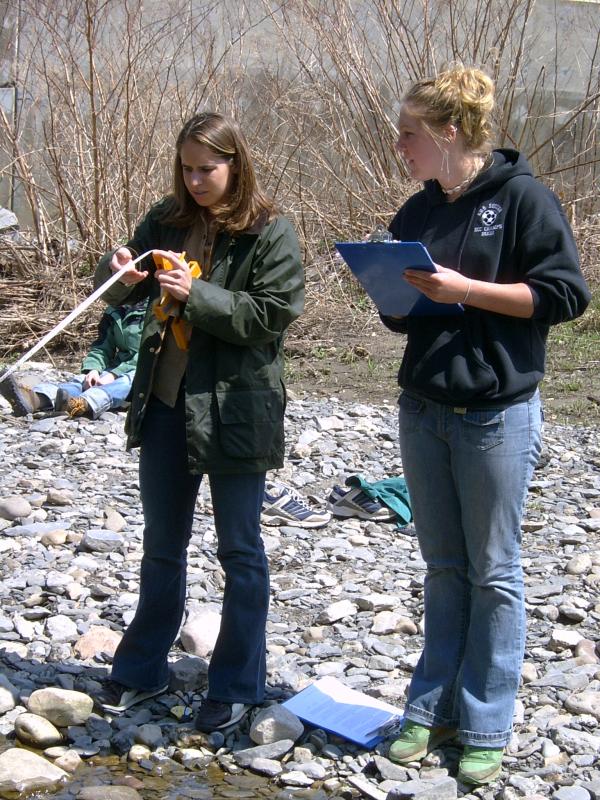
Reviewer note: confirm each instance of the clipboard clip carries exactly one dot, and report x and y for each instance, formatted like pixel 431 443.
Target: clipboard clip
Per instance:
pixel 393 725
pixel 380 234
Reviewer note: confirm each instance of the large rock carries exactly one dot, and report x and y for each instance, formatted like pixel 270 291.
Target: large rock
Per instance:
pixel 14 507
pixel 61 706
pixel 98 540
pixel 274 724
pixel 36 731
pixel 584 703
pixel 266 752
pixel 96 640
pixel 188 674
pixel 24 771
pixel 61 628
pixel 199 634
pixel 336 612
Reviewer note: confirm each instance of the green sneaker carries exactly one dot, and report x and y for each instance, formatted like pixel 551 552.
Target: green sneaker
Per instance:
pixel 480 765
pixel 416 740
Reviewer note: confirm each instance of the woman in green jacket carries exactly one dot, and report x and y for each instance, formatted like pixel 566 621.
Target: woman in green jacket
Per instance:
pixel 207 398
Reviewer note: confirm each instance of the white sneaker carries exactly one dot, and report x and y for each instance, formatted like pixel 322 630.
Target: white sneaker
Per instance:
pixel 284 506
pixel 355 503
pixel 115 698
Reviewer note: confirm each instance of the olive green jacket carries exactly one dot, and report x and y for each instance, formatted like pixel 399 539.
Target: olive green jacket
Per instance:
pixel 234 392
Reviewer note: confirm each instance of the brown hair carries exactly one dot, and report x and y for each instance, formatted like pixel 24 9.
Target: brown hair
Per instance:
pixel 245 203
pixel 459 95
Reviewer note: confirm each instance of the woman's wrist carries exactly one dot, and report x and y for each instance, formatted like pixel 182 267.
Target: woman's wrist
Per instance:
pixel 468 292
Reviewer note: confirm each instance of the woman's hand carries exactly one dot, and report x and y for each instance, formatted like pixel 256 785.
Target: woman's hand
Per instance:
pixel 449 286
pixel 177 280
pixel 91 379
pixel 94 378
pixel 121 262
pixel 444 286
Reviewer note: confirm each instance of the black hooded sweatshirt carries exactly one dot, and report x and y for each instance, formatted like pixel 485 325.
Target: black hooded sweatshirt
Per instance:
pixel 507 227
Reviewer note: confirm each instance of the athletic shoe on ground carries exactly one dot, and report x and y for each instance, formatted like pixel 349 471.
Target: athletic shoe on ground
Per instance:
pixel 355 503
pixel 480 765
pixel 284 506
pixel 213 715
pixel 115 698
pixel 415 741
pixel 22 400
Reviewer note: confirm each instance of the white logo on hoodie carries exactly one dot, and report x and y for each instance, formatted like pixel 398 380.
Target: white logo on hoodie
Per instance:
pixel 488 214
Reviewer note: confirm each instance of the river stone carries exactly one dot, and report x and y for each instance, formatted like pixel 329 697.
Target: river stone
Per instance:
pixel 98 540
pixel 9 695
pixel 69 761
pixel 580 564
pixel 6 624
pixel 586 651
pixel 103 792
pixel 139 752
pixel 313 769
pixel 366 788
pixel 584 703
pixel 563 639
pixel 149 735
pixel 96 640
pixel 295 778
pixel 188 674
pixel 61 629
pixel 14 507
pixel 54 538
pixel 61 706
pixel 266 766
pixel 59 497
pixel 24 771
pixel 114 521
pixel 445 789
pixel 37 731
pixel 575 742
pixel 336 612
pixel 571 793
pixel 199 634
pixel 275 723
pixel 268 752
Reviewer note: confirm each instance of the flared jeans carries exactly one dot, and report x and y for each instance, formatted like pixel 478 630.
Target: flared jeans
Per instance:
pixel 468 473
pixel 237 670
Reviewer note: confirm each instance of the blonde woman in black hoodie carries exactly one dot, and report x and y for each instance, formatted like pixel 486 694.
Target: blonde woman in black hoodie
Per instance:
pixel 470 414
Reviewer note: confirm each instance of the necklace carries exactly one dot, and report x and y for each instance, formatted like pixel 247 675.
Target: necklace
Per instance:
pixel 469 179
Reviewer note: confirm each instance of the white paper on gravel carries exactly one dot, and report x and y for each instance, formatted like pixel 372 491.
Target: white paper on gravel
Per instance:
pixel 329 704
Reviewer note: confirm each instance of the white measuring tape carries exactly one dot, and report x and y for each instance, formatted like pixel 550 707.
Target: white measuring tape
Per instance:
pixel 69 318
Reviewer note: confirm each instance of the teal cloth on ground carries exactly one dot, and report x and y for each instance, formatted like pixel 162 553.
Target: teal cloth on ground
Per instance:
pixel 391 492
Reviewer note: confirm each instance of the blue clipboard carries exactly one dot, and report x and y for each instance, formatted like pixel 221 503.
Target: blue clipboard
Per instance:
pixel 379 266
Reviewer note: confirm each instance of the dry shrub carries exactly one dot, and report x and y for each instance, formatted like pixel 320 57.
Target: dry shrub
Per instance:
pixel 316 84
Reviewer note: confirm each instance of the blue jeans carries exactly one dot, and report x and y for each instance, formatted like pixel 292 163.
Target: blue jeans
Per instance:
pixel 467 475
pixel 237 671
pixel 99 398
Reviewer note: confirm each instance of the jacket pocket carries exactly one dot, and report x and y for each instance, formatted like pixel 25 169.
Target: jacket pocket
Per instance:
pixel 249 421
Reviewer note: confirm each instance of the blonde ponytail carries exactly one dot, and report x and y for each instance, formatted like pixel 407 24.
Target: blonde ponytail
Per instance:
pixel 461 96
